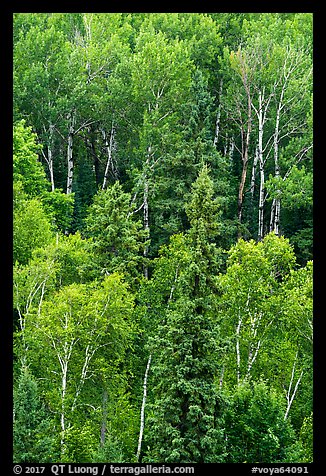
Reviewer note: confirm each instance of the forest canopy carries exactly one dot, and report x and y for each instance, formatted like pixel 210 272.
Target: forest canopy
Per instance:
pixel 162 178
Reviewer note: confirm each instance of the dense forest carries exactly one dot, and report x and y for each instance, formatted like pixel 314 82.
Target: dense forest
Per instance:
pixel 162 179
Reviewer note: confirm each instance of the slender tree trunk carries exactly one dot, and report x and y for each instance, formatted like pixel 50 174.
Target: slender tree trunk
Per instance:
pixel 50 156
pixel 231 150
pixel 64 368
pixel 96 163
pixel 146 208
pixel 276 204
pixel 109 145
pixel 245 158
pixel 237 347
pixel 226 144
pixel 218 115
pixel 261 202
pixel 261 170
pixel 70 155
pixel 142 412
pixel 289 396
pixel 245 140
pixel 146 223
pixel 253 173
pixel 51 168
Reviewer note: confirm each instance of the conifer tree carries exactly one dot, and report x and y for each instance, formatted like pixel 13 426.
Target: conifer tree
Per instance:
pixel 117 237
pixel 32 440
pixel 184 420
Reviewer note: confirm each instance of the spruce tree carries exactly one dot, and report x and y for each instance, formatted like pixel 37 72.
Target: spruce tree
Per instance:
pixel 117 237
pixel 32 441
pixel 183 423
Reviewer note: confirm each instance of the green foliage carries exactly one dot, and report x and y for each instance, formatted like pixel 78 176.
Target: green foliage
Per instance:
pixel 296 190
pixel 64 261
pixel 255 428
pixel 143 118
pixel 32 428
pixel 59 207
pixel 183 422
pixel 110 451
pixel 202 210
pixel 32 227
pixel 306 437
pixel 67 337
pixel 117 238
pixel 79 442
pixel 249 303
pixel 26 167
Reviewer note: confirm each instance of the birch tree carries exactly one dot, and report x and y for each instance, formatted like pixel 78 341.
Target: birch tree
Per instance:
pixel 39 63
pixel 256 269
pixel 266 103
pixel 281 91
pixel 291 98
pixel 239 106
pixel 298 326
pixel 75 325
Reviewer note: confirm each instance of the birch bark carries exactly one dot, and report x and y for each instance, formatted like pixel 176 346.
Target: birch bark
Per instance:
pixel 253 173
pixel 142 412
pixel 70 160
pixel 109 145
pixel 218 116
pixel 289 396
pixel 261 168
pixel 146 208
pixel 276 204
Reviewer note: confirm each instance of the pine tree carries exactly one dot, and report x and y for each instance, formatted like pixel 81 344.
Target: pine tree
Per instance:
pixel 117 237
pixel 184 416
pixel 32 440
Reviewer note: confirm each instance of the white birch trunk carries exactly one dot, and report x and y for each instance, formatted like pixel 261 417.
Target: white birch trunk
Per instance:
pixel 276 204
pixel 146 223
pixel 231 150
pixel 142 412
pixel 218 116
pixel 63 410
pixel 237 347
pixel 253 173
pixel 289 396
pixel 64 362
pixel 261 170
pixel 50 156
pixel 109 149
pixel 70 160
pixel 146 209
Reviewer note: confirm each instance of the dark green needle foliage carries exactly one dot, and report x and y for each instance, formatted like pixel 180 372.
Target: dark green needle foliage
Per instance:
pixel 184 423
pixel 32 429
pixel 117 237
